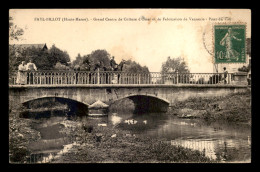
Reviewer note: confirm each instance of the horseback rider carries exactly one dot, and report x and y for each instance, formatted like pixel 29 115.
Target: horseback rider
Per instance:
pixel 113 64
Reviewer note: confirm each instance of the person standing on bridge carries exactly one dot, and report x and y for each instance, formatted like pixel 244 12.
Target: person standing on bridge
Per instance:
pixel 225 75
pixel 22 75
pixel 30 67
pixel 114 67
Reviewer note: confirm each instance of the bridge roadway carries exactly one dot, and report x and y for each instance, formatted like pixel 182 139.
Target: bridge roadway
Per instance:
pixel 157 96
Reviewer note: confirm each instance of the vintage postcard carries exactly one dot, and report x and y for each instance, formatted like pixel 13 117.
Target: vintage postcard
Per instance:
pixel 129 86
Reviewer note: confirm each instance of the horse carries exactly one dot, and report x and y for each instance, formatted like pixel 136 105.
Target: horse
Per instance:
pixel 120 66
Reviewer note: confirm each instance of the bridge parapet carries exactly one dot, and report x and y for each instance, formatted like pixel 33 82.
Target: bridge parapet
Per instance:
pixel 240 78
pixel 122 78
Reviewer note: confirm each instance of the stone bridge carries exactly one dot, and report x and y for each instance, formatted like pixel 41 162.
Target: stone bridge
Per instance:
pixel 149 96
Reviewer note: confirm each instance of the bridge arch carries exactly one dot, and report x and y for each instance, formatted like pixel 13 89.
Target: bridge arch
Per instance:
pixel 74 107
pixel 148 95
pixel 61 97
pixel 147 102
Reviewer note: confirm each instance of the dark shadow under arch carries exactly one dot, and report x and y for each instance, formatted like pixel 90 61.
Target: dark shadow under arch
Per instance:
pixel 147 103
pixel 47 106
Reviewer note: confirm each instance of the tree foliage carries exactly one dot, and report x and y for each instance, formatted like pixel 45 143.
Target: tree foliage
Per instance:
pixel 133 67
pixel 14 60
pixel 78 60
pixel 97 59
pixel 174 65
pixel 244 69
pixel 43 59
pixel 100 57
pixel 58 55
pixel 14 34
pixel 14 31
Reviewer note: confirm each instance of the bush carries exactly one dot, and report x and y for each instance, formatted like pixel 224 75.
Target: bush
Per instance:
pixel 19 135
pixel 18 154
pixel 169 153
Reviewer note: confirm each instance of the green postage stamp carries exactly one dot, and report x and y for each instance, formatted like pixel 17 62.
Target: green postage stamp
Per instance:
pixel 230 43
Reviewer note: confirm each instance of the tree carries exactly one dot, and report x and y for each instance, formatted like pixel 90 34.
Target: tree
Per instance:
pixel 175 64
pixel 15 58
pixel 133 67
pixel 97 58
pixel 57 55
pixel 100 58
pixel 142 72
pixel 78 60
pixel 43 59
pixel 40 58
pixel 14 32
pixel 171 67
pixel 82 63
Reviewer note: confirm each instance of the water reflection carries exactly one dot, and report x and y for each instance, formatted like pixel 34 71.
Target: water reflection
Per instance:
pixel 41 157
pixel 48 156
pixel 130 121
pixel 218 140
pixel 205 146
pixel 140 123
pixel 53 137
pixel 115 119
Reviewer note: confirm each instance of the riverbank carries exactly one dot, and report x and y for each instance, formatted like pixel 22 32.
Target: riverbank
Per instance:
pixel 20 135
pixel 231 108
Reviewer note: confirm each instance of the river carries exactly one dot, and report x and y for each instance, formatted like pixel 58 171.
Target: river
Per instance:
pixel 219 140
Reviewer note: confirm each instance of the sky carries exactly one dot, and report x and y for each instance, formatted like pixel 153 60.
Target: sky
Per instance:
pixel 186 33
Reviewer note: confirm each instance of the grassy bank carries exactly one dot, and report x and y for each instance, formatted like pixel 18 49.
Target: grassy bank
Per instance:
pixel 235 107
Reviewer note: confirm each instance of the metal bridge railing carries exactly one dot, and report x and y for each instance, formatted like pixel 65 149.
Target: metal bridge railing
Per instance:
pixel 115 77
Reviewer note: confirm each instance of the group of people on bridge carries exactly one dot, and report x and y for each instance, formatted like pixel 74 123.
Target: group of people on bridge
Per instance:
pixel 25 76
pixel 22 75
pixel 88 65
